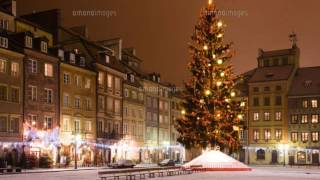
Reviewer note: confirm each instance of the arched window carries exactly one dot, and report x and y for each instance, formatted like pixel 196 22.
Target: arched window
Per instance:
pixel 260 154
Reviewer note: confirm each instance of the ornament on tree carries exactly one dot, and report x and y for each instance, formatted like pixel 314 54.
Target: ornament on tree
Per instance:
pixel 211 109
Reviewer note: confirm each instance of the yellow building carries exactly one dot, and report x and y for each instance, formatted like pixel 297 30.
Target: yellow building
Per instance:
pixel 77 108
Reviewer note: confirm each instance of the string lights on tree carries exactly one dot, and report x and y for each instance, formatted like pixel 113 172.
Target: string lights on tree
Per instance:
pixel 211 110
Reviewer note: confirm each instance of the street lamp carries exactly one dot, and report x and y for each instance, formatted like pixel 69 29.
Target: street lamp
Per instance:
pixel 77 139
pixel 284 148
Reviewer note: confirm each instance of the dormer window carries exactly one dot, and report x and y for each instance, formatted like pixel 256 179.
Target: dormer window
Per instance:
pixel 61 54
pixel 28 41
pixel 154 77
pixel 3 42
pixel 158 79
pixel 82 61
pixel 72 58
pixel 125 77
pixel 107 59
pixel 132 78
pixel 44 46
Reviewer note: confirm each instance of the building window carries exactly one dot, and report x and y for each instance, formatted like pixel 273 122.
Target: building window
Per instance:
pixel 304 137
pixel 294 119
pixel 44 46
pixel 3 66
pixel 267 134
pixel 134 95
pixel 61 54
pixel 117 84
pixel 48 96
pixel 15 95
pixel 266 89
pixel 278 88
pixel 77 125
pixel 155 103
pixel 260 154
pixel 28 41
pixel 294 136
pixel 33 66
pixel 255 89
pixel 101 104
pixel 125 128
pixel 107 59
pixel 304 119
pixel 3 93
pixel 256 101
pixel 125 111
pixel 315 136
pixel 126 93
pixel 100 126
pixel 66 78
pixel 314 118
pixel 72 58
pixel 267 101
pixel 267 116
pixel 278 116
pixel 77 102
pixel 149 102
pixel 88 126
pixel 314 103
pixel 82 61
pixel 32 93
pixel 14 125
pixel 305 104
pixel 47 122
pixel 101 78
pixel 48 70
pixel 66 124
pixel 3 42
pixel 87 84
pixel 278 101
pixel 149 116
pixel 110 104
pixel 88 104
pixel 78 82
pixel 278 134
pixel 155 117
pixel 241 134
pixel 140 96
pixel 4 24
pixel 117 108
pixel 256 116
pixel 3 123
pixel 14 69
pixel 110 81
pixel 66 100
pixel 256 135
pixel 33 119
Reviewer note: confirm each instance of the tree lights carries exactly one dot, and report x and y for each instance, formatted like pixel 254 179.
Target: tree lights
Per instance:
pixel 211 109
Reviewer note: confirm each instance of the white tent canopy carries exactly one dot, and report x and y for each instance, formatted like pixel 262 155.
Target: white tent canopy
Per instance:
pixel 216 161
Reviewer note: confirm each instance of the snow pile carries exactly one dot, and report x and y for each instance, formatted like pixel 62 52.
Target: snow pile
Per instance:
pixel 216 161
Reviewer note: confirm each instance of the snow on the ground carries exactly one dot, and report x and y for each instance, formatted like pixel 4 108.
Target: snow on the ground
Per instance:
pixel 258 173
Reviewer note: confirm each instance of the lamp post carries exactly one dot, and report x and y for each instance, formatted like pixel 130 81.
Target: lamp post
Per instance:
pixel 284 148
pixel 77 138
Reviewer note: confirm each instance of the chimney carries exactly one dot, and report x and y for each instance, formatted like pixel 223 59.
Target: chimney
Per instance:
pixel 14 8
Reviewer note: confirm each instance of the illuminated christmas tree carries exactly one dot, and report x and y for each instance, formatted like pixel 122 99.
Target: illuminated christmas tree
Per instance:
pixel 212 113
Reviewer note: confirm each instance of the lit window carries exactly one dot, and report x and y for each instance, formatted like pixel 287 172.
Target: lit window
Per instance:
pixel 44 46
pixel 14 69
pixel 117 108
pixel 3 42
pixel 305 104
pixel 28 41
pixel 78 82
pixel 304 137
pixel 66 78
pixel 267 134
pixel 87 83
pixel 3 66
pixel 315 136
pixel 48 96
pixel 47 122
pixel 278 116
pixel 256 135
pixel 110 78
pixel 107 59
pixel 132 78
pixel 48 70
pixel 61 54
pixel 314 118
pixel 256 116
pixel 294 119
pixel 294 136
pixel 278 134
pixel 66 124
pixel 117 84
pixel 101 78
pixel 267 116
pixel 314 103
pixel 304 119
pixel 77 125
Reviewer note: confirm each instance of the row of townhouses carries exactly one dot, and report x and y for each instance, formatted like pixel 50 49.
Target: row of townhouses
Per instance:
pixel 70 98
pixel 283 109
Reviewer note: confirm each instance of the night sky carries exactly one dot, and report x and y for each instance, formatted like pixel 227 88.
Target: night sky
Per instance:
pixel 160 29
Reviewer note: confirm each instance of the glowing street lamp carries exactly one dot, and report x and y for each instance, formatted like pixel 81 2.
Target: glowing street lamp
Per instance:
pixel 283 148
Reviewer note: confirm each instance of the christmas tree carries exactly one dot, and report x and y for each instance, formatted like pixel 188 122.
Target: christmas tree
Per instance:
pixel 211 111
